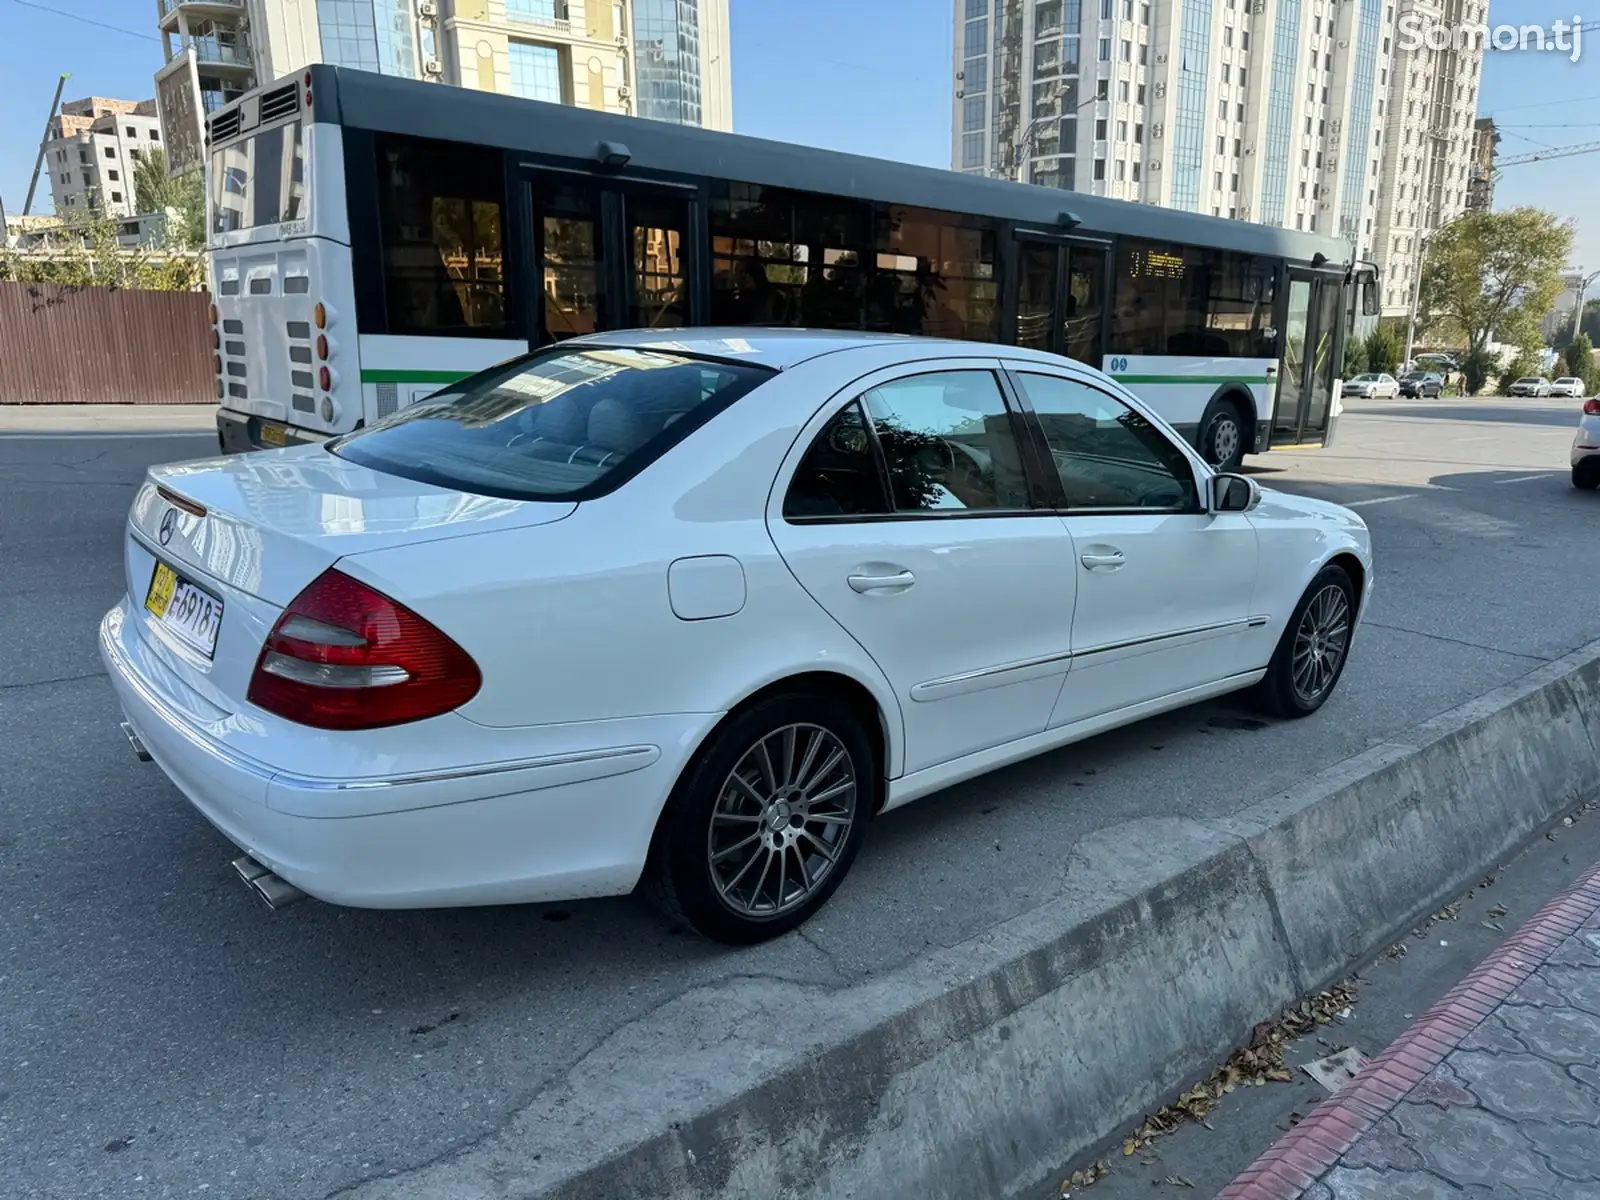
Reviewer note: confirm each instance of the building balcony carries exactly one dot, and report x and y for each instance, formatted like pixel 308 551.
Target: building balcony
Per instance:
pixel 198 10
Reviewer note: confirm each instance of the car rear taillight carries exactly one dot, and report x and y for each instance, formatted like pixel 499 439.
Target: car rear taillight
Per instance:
pixel 344 656
pixel 1591 408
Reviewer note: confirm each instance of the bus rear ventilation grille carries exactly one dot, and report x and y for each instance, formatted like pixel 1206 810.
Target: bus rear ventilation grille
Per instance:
pixel 224 126
pixel 281 102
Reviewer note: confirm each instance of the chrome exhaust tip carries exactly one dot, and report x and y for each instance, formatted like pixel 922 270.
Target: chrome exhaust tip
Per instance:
pixel 132 735
pixel 274 891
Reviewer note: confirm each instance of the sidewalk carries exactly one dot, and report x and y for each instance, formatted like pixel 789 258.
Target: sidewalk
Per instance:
pixel 1492 1095
pixel 108 418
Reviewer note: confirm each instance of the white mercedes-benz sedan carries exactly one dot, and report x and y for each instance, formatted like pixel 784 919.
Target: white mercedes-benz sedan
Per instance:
pixel 691 612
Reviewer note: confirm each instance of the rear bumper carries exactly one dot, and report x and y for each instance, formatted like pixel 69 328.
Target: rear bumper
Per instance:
pixel 553 827
pixel 238 432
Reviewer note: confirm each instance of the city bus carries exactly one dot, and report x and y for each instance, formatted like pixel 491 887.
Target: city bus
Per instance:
pixel 374 239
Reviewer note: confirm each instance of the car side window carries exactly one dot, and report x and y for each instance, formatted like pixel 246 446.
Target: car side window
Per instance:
pixel 1109 456
pixel 948 442
pixel 839 476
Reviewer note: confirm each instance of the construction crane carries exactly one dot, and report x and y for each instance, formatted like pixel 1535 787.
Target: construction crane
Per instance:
pixel 27 204
pixel 1517 160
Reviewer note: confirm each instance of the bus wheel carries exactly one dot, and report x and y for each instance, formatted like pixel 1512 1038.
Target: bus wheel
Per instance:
pixel 1222 436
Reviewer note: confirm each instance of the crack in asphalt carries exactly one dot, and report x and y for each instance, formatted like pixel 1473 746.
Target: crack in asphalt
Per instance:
pixel 1439 637
pixel 32 683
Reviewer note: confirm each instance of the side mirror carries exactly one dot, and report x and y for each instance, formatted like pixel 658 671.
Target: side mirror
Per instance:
pixel 1369 298
pixel 1234 494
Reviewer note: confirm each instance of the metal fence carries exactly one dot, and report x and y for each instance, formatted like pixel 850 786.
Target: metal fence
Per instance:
pixel 63 344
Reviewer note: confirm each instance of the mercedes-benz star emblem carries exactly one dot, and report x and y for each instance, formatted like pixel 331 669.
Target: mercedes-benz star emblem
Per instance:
pixel 168 524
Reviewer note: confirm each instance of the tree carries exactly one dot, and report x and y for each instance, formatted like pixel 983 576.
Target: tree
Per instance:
pixel 156 191
pixel 1383 349
pixel 88 254
pixel 1495 276
pixel 1355 357
pixel 1579 361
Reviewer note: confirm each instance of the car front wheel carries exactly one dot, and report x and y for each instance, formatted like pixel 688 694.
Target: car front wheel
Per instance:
pixel 767 820
pixel 1311 654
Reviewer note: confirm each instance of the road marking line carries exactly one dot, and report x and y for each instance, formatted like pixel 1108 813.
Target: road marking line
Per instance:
pixel 1379 500
pixel 1529 478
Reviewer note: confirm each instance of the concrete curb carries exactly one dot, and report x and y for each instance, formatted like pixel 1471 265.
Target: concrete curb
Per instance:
pixel 70 419
pixel 981 1068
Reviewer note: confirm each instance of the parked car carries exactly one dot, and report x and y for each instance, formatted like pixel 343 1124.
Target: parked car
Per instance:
pixel 1422 384
pixel 1586 447
pixel 1375 386
pixel 1531 385
pixel 692 608
pixel 1568 385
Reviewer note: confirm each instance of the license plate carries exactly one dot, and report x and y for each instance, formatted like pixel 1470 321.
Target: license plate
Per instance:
pixel 183 610
pixel 272 434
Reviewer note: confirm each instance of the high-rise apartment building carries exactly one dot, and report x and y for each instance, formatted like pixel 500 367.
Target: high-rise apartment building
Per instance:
pixel 663 59
pixel 92 148
pixel 1428 131
pixel 1306 114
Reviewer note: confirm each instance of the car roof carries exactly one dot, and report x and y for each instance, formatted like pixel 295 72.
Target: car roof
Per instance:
pixel 782 348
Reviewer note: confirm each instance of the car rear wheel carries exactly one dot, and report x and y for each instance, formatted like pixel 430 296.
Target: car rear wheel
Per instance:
pixel 767 820
pixel 1586 475
pixel 1222 436
pixel 1311 654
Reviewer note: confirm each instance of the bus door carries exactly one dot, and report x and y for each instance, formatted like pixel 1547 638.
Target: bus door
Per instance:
pixel 1056 300
pixel 1311 346
pixel 611 253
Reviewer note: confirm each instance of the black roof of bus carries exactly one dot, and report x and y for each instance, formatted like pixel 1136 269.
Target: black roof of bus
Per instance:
pixel 385 104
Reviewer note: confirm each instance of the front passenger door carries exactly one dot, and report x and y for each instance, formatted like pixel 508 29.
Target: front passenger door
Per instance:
pixel 906 513
pixel 1164 587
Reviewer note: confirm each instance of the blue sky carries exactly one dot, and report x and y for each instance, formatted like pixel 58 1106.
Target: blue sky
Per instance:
pixel 871 76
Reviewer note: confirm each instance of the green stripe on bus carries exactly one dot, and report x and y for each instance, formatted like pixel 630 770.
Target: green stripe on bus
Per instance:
pixel 373 376
pixel 1191 379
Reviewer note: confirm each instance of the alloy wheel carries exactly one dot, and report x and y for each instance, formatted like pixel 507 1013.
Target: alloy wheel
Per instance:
pixel 781 820
pixel 1320 643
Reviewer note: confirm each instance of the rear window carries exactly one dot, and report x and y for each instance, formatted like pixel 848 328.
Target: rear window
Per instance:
pixel 565 424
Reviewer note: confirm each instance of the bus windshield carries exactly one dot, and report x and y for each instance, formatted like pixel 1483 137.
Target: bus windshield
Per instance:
pixel 259 180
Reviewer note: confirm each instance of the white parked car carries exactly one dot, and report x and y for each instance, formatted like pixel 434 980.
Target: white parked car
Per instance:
pixel 1375 386
pixel 693 611
pixel 1569 386
pixel 1586 447
pixel 1531 385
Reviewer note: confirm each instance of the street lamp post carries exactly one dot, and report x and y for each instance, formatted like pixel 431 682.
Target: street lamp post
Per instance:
pixel 1024 150
pixel 1577 306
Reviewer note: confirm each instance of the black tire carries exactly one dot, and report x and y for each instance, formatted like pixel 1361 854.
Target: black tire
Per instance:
pixel 681 878
pixel 1224 435
pixel 1586 475
pixel 1279 693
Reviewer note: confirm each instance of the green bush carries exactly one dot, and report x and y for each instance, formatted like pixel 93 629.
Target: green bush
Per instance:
pixel 1383 350
pixel 1477 366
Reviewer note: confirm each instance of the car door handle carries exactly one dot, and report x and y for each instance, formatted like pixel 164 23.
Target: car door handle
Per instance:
pixel 1112 560
pixel 872 583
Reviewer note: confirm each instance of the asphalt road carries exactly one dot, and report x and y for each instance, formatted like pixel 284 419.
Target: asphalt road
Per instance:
pixel 163 1034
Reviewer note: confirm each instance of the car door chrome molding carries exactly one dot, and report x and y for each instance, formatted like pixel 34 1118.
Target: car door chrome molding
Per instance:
pixel 968 682
pixel 1058 664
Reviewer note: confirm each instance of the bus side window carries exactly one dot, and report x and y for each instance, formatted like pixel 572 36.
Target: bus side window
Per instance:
pixel 443 222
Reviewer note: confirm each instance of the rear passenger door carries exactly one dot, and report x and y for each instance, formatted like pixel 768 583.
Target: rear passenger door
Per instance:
pixel 905 511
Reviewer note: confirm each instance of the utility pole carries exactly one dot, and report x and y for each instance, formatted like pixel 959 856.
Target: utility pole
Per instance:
pixel 27 204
